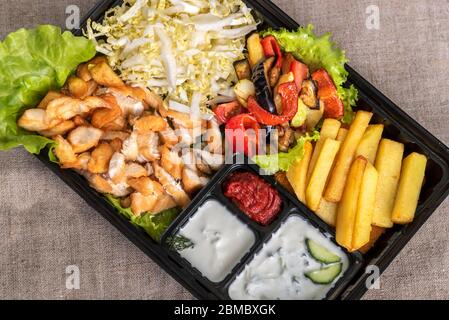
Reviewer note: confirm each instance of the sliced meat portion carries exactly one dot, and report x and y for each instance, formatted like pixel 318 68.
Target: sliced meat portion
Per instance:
pixel 60 129
pixel 171 162
pixel 141 203
pixel 191 181
pixel 168 136
pixel 150 123
pixel 116 169
pixel 80 164
pixel 215 161
pixel 164 202
pixel 213 137
pixel 146 186
pixel 130 148
pixel 99 183
pixel 135 170
pixel 103 74
pixel 99 161
pixel 37 120
pixel 103 116
pixel 148 144
pixel 171 186
pixel 129 100
pixel 111 135
pixel 51 95
pixel 83 138
pixel 64 151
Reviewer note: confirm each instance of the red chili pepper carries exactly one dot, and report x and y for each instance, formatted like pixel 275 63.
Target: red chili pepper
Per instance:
pixel 327 92
pixel 289 97
pixel 226 111
pixel 300 72
pixel 271 48
pixel 242 132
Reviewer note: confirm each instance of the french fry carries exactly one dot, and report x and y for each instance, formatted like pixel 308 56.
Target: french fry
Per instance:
pixel 376 233
pixel 347 208
pixel 255 49
pixel 320 174
pixel 410 184
pixel 345 157
pixel 365 208
pixel 342 133
pixel 388 165
pixel 297 173
pixel 329 130
pixel 370 142
pixel 327 211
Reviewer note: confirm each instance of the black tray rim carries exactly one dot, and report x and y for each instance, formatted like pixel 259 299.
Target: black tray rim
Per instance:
pixel 149 247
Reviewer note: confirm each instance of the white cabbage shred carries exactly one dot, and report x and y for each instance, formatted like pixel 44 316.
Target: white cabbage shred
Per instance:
pixel 183 49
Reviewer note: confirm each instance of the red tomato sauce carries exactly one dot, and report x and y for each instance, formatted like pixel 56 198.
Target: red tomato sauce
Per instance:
pixel 254 196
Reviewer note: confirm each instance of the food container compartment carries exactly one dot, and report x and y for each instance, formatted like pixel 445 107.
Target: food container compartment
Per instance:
pixel 263 233
pixel 398 125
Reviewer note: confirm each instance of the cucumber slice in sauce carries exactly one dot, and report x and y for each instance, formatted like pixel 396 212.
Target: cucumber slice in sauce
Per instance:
pixel 326 275
pixel 320 253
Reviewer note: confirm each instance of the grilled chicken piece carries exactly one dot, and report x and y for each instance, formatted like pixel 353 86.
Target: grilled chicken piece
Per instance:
pixel 130 148
pixel 191 181
pixel 184 136
pixel 287 137
pixel 141 203
pixel 99 183
pixel 148 147
pixel 104 116
pixel 118 124
pixel 80 121
pixel 84 138
pixel 99 161
pixel 146 186
pixel 213 137
pixel 168 136
pixel 170 185
pixel 130 102
pixel 189 159
pixel 66 108
pixel 64 151
pixel 103 74
pixel 171 162
pixel 150 123
pixel 51 95
pixel 37 120
pixel 164 202
pixel 135 170
pixel 116 169
pixel 116 144
pixel 111 135
pixel 60 129
pixel 80 164
pixel 214 161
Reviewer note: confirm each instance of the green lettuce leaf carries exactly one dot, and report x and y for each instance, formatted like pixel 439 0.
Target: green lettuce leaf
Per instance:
pixel 319 52
pixel 31 63
pixel 153 224
pixel 282 161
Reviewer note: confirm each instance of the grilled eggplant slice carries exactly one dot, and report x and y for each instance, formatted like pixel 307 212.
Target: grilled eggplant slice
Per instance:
pixel 309 94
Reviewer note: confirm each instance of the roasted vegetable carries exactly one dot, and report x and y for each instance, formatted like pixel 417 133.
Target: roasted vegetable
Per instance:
pixel 242 69
pixel 309 94
pixel 255 49
pixel 263 91
pixel 224 112
pixel 271 48
pixel 327 92
pixel 243 89
pixel 300 71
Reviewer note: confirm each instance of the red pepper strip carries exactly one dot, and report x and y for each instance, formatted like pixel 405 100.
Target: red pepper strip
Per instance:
pixel 300 72
pixel 327 93
pixel 242 132
pixel 289 97
pixel 224 112
pixel 271 48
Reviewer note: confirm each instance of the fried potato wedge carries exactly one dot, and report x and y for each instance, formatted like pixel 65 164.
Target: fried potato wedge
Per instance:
pixel 410 184
pixel 297 173
pixel 365 208
pixel 388 165
pixel 320 174
pixel 376 233
pixel 327 211
pixel 345 157
pixel 329 130
pixel 342 133
pixel 347 209
pixel 370 142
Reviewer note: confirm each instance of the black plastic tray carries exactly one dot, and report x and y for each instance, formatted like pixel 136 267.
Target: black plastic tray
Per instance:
pixel 398 125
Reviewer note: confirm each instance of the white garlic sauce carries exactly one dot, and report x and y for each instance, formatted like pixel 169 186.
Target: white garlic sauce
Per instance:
pixel 277 271
pixel 220 240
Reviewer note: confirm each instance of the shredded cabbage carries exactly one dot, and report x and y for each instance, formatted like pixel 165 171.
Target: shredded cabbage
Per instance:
pixel 176 47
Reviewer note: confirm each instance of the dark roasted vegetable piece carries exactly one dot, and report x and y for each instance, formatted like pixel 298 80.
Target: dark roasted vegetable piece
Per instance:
pixel 263 91
pixel 309 94
pixel 242 69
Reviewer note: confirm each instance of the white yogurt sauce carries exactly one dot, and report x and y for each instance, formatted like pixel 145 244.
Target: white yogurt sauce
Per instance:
pixel 277 271
pixel 220 240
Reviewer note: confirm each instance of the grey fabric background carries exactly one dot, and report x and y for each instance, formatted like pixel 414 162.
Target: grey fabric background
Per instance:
pixel 44 226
